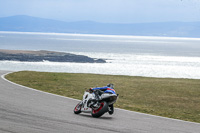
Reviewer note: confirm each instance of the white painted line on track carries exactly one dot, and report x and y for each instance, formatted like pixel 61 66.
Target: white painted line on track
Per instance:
pixel 3 77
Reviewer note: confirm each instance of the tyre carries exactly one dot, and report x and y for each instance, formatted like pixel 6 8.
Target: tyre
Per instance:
pixel 77 109
pixel 98 112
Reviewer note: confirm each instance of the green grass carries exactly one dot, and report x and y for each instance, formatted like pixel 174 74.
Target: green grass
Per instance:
pixel 174 98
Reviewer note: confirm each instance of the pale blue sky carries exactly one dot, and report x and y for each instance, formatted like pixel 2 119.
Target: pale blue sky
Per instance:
pixel 112 11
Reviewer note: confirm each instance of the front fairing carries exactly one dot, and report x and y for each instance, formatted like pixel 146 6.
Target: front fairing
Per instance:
pixel 86 98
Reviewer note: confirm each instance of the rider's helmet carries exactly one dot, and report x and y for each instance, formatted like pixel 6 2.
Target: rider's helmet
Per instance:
pixel 110 85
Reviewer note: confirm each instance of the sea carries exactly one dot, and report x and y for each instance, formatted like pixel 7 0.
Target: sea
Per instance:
pixel 147 56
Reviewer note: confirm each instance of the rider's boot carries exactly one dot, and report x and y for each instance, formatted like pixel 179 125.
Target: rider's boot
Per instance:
pixel 111 109
pixel 97 97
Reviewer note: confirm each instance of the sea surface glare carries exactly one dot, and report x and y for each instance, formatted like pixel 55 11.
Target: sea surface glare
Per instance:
pixel 125 55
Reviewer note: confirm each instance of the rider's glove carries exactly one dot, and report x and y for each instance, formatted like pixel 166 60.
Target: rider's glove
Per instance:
pixel 91 90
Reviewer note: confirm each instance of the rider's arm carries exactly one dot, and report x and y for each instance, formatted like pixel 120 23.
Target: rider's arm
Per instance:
pixel 100 88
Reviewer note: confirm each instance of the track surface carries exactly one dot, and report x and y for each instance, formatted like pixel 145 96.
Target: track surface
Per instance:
pixel 24 110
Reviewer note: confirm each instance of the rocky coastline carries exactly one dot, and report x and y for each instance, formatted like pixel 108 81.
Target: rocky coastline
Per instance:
pixel 43 55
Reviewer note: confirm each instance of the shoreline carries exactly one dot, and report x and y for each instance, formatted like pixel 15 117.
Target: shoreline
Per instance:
pixel 100 74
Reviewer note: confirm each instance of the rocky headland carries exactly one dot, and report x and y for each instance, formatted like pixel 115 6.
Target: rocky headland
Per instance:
pixel 43 55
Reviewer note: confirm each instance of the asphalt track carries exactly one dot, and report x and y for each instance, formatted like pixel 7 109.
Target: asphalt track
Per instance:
pixel 24 110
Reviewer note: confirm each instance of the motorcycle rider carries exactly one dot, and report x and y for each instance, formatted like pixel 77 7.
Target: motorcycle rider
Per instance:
pixel 106 89
pixel 100 90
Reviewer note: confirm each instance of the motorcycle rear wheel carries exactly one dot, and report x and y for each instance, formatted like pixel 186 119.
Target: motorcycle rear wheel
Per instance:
pixel 98 112
pixel 77 109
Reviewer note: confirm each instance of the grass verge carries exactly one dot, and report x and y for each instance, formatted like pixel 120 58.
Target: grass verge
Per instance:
pixel 173 98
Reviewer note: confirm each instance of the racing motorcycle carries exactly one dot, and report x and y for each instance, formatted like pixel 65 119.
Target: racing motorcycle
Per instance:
pixel 96 106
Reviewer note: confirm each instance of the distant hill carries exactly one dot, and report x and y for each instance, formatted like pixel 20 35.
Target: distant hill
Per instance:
pixel 33 24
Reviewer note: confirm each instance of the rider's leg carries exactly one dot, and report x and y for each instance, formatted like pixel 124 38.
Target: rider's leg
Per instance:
pixel 111 109
pixel 97 94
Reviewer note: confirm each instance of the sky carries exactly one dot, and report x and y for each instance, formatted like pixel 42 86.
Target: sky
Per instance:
pixel 106 11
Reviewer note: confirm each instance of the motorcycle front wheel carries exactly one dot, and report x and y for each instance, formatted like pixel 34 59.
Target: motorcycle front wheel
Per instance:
pixel 77 109
pixel 98 112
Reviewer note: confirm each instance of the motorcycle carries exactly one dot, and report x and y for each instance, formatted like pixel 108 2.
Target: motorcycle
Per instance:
pixel 97 107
